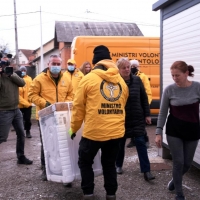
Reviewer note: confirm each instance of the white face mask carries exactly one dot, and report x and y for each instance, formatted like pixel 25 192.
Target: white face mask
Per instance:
pixel 23 74
pixel 55 69
pixel 71 68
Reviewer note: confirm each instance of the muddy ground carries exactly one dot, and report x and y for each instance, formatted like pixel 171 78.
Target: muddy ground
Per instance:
pixel 21 182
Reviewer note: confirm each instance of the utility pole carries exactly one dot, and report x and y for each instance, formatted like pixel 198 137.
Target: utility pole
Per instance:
pixel 16 38
pixel 41 47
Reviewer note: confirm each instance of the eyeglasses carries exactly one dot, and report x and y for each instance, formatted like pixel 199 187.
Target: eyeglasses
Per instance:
pixel 58 64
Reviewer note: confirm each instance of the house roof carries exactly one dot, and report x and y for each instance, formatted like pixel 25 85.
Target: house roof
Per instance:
pixel 161 4
pixel 65 31
pixel 27 52
pixel 43 45
pixel 43 55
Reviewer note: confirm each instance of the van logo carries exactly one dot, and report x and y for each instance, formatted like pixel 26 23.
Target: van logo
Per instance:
pixel 110 92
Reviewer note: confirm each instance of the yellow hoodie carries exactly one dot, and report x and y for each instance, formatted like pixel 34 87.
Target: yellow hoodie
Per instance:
pixel 43 89
pixel 75 78
pixel 99 101
pixel 23 93
pixel 146 83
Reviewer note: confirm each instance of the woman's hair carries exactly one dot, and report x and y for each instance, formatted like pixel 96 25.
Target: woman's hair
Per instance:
pixel 82 67
pixel 121 61
pixel 183 67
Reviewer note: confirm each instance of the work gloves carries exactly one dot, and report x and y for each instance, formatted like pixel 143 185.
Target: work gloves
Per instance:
pixel 71 134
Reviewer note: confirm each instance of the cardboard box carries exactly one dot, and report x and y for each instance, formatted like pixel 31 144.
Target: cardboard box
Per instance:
pixel 60 106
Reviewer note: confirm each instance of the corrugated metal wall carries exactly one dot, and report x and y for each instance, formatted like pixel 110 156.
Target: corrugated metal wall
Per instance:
pixel 181 41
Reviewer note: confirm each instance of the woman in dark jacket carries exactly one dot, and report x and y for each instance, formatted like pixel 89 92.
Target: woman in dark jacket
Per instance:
pixel 137 114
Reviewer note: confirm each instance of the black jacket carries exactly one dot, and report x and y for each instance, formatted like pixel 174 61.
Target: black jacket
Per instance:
pixel 137 108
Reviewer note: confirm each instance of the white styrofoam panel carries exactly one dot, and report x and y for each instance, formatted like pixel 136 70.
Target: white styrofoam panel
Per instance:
pixel 181 41
pixel 61 153
pixel 53 131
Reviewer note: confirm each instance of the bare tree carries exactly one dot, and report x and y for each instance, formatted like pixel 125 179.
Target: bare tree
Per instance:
pixel 4 47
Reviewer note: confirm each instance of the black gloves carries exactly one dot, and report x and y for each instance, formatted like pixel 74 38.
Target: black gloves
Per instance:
pixel 47 104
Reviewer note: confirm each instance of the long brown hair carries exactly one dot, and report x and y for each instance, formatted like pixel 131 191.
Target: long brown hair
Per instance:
pixel 82 67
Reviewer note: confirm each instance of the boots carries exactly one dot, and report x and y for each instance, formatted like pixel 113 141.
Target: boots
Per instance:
pixel 28 134
pixel 131 143
pixel 148 176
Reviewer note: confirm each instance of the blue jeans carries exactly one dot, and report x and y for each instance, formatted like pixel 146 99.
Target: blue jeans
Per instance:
pixel 140 144
pixel 15 118
pixel 87 151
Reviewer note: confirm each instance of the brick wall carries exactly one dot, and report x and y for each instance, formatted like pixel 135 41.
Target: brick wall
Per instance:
pixel 65 51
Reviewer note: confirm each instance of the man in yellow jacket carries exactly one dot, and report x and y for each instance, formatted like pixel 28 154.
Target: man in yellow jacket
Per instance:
pixel 73 73
pixel 24 104
pixel 99 101
pixel 47 88
pixel 145 80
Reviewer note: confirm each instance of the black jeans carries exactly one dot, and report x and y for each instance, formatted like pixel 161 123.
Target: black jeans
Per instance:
pixel 26 112
pixel 87 151
pixel 14 117
pixel 42 148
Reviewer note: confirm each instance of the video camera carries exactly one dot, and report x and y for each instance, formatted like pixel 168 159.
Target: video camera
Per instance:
pixel 5 63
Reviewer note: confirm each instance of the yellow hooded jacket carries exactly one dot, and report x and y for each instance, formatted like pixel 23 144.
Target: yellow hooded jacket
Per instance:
pixel 75 77
pixel 99 101
pixel 23 93
pixel 146 83
pixel 43 89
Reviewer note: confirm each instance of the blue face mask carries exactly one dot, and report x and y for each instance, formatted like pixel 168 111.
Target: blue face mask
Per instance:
pixel 71 68
pixel 23 74
pixel 55 69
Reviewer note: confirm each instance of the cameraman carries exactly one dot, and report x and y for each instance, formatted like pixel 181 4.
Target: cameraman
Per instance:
pixel 9 111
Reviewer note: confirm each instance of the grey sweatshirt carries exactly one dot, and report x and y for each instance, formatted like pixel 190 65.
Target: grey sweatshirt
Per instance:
pixel 177 96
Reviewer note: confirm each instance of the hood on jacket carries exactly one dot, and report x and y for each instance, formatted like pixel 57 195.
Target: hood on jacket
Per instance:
pixel 111 74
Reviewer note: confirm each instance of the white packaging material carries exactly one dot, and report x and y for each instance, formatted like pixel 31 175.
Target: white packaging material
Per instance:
pixel 61 153
pixel 97 168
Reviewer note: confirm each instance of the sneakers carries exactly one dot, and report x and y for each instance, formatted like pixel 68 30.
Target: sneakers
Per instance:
pixel 148 176
pixel 119 170
pixel 88 197
pixel 110 197
pixel 25 161
pixel 171 186
pixel 28 134
pixel 180 197
pixel 131 144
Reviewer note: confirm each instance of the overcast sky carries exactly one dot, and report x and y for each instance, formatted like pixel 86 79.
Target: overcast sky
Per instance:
pixel 28 17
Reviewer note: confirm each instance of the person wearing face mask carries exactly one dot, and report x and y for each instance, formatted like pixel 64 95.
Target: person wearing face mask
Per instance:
pixel 137 115
pixel 24 104
pixel 73 73
pixel 145 80
pixel 49 87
